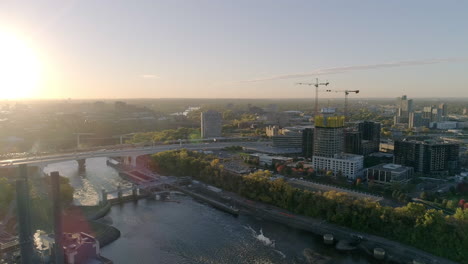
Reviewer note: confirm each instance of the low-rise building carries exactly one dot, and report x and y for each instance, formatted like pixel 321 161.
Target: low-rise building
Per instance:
pixel 287 141
pixel 389 173
pixel 349 165
pixel 267 160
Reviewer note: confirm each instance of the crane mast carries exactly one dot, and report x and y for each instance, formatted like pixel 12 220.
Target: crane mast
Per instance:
pixel 346 92
pixel 316 84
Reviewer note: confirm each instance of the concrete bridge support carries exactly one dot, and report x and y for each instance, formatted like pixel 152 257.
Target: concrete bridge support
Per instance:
pixel 130 161
pixel 135 192
pixel 81 164
pixel 119 193
pixel 104 196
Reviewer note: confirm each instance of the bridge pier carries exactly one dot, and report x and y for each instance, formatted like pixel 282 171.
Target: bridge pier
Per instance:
pixel 130 161
pixel 81 164
pixel 104 196
pixel 135 192
pixel 119 193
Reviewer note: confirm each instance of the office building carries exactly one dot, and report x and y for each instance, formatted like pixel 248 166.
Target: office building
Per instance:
pixel 370 132
pixel 287 141
pixel 348 165
pixel 211 124
pixel 387 174
pixel 404 108
pixel 353 142
pixel 435 113
pixel 308 142
pixel 417 119
pixel 427 155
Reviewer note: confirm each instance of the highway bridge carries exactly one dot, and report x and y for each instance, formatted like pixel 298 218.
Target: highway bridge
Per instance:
pixel 132 152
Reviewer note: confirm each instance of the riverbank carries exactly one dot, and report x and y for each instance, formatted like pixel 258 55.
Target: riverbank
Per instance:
pixel 395 251
pixel 103 232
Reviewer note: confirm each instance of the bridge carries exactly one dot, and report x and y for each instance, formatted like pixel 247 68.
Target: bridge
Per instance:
pixel 139 191
pixel 131 152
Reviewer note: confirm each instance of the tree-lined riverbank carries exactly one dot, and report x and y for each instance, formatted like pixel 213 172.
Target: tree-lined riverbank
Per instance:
pixel 412 224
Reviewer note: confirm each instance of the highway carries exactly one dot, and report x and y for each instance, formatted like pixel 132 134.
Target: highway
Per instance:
pixel 326 188
pixel 130 151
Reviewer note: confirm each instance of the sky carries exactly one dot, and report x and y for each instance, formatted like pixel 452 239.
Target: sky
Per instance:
pixel 233 49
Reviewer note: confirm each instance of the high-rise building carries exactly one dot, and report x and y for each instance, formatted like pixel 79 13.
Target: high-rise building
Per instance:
pixel 353 142
pixel 370 132
pixel 211 123
pixel 308 142
pixel 427 155
pixel 417 119
pixel 405 107
pixel 434 113
pixel 328 135
pixel 329 146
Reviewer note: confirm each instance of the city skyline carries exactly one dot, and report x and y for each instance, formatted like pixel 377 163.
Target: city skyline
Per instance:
pixel 210 49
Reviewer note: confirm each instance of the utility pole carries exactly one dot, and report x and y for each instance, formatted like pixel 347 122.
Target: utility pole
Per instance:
pixel 316 84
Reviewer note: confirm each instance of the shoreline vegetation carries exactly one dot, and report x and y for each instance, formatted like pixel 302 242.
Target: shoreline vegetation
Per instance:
pixel 407 224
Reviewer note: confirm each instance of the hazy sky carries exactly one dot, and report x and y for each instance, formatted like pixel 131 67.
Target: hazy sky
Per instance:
pixel 243 48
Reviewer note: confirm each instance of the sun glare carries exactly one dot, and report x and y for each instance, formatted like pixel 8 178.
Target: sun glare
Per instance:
pixel 19 67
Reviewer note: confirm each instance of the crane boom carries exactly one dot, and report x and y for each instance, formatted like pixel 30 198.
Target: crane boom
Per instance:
pixel 346 92
pixel 316 84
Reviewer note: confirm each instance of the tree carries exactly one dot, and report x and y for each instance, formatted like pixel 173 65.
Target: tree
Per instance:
pixel 451 204
pixel 461 214
pixel 461 203
pixel 423 195
pixel 329 173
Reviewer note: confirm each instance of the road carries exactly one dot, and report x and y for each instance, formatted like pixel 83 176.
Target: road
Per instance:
pixel 326 188
pixel 263 146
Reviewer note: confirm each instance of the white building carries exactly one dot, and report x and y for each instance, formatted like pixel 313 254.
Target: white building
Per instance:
pixel 444 125
pixel 350 165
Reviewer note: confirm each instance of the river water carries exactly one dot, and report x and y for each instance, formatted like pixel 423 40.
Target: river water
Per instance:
pixel 189 231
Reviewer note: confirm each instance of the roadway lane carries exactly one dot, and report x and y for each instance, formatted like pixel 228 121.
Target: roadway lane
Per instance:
pixel 127 152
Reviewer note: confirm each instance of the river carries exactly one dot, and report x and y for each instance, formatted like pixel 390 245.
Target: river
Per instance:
pixel 189 231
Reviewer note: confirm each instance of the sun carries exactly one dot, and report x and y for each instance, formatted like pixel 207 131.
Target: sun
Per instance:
pixel 19 67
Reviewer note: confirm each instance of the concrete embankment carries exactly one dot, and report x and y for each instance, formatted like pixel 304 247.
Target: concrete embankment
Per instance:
pixel 394 251
pixel 104 233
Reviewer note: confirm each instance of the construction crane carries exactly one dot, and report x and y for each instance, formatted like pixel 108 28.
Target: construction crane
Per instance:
pixel 316 84
pixel 346 92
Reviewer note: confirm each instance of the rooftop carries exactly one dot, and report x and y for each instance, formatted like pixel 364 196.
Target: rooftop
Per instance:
pixel 390 167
